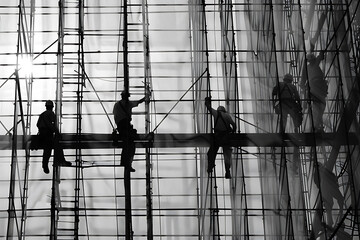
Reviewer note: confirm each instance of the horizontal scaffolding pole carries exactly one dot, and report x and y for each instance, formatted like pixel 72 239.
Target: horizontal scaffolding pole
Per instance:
pixel 178 140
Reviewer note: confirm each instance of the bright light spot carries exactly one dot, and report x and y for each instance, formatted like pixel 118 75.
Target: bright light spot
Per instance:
pixel 26 66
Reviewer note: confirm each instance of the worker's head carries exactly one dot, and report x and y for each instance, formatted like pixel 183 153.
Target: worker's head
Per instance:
pixel 125 95
pixel 310 57
pixel 288 78
pixel 221 109
pixel 49 104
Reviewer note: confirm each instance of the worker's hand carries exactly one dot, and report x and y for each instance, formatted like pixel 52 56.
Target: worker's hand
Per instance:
pixel 148 92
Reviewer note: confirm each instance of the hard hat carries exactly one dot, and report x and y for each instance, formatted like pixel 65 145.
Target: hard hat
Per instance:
pixel 288 77
pixel 49 103
pixel 221 109
pixel 125 94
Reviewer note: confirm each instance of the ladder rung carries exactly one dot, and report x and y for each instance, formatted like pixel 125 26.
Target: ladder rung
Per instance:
pixel 71 29
pixel 70 82
pixel 65 229
pixel 133 87
pixel 72 44
pixel 74 58
pixel 67 117
pixel 66 209
pixel 135 24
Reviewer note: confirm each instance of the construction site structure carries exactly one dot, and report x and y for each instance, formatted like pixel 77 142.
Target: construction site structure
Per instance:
pixel 82 54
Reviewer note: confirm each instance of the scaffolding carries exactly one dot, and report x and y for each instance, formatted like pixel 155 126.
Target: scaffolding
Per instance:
pixel 82 54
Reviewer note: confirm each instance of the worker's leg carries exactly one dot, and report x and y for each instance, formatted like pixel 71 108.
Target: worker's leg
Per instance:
pixel 128 152
pixel 45 160
pixel 131 150
pixel 59 157
pixel 328 208
pixel 340 200
pixel 125 154
pixel 212 156
pixel 123 129
pixel 227 151
pixel 318 111
pixel 284 115
pixel 46 141
pixel 297 117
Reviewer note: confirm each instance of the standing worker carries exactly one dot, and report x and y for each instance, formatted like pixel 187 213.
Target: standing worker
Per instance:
pixel 123 115
pixel 49 137
pixel 286 101
pixel 318 87
pixel 223 126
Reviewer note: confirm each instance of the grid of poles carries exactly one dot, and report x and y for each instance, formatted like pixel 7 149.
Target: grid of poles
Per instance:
pixel 233 51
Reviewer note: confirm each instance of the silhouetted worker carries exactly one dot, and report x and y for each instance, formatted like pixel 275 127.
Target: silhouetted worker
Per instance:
pixel 329 188
pixel 286 101
pixel 223 126
pixel 123 115
pixel 49 136
pixel 314 76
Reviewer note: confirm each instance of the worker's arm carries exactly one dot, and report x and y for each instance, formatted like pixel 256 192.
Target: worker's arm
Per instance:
pixel 208 105
pixel 141 100
pixel 274 91
pixel 320 57
pixel 147 96
pixel 233 125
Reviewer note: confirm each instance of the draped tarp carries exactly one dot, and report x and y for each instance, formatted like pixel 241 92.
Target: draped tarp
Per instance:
pixel 275 42
pixel 231 92
pixel 200 69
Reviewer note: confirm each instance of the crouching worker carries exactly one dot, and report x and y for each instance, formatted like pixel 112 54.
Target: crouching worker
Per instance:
pixel 223 126
pixel 49 137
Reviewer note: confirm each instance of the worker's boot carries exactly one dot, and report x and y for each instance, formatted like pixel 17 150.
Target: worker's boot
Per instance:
pixel 45 167
pixel 227 174
pixel 64 163
pixel 59 158
pixel 227 171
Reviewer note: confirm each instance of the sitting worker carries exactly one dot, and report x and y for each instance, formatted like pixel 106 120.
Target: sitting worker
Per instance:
pixel 223 126
pixel 49 137
pixel 318 88
pixel 123 115
pixel 286 100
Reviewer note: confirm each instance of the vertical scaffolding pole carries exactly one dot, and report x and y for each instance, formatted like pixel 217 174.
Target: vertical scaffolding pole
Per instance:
pixel 200 51
pixel 11 208
pixel 127 173
pixel 147 74
pixel 80 87
pixel 18 109
pixel 58 99
pixel 230 75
